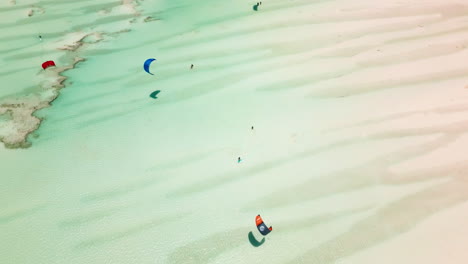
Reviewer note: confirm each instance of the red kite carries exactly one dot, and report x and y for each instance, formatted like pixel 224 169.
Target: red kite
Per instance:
pixel 47 64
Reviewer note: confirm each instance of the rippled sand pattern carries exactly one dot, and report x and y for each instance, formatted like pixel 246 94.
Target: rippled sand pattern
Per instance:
pixel 357 155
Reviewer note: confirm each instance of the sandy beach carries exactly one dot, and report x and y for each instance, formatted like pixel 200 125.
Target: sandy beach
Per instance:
pixel 357 152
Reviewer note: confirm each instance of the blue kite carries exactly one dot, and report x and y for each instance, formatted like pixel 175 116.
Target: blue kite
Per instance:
pixel 146 65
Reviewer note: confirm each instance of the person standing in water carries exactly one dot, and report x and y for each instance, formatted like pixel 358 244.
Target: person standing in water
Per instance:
pixel 40 37
pixel 191 66
pixel 238 160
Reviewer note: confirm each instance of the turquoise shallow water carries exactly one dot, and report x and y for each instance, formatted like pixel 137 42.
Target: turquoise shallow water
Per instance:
pixel 114 176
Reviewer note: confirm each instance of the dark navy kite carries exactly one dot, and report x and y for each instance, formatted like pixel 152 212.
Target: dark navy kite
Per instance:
pixel 261 226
